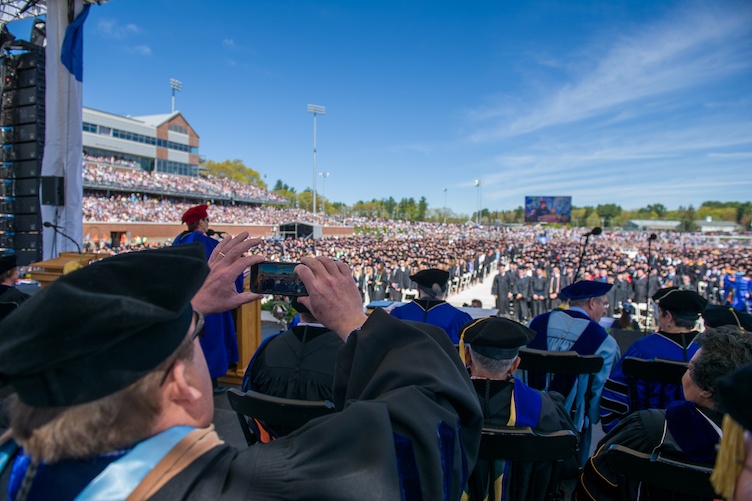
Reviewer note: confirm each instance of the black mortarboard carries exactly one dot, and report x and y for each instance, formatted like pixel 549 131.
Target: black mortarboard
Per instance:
pixel 716 316
pixel 8 262
pixel 734 393
pixel 680 302
pixel 431 276
pixel 99 329
pixel 496 337
pixel 585 289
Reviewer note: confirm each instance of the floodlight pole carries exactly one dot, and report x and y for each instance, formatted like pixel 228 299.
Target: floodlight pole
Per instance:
pixel 445 204
pixel 477 185
pixel 316 110
pixel 175 85
pixel 323 176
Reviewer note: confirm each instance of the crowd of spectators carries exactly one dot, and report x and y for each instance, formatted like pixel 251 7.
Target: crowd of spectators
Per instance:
pixel 122 208
pixel 119 174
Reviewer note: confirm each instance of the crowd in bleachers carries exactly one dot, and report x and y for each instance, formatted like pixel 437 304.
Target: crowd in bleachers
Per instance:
pixel 120 174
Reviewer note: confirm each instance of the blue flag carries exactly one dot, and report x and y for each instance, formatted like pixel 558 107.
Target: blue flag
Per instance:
pixel 72 51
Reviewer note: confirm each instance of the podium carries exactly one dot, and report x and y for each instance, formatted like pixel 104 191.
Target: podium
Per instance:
pixel 50 270
pixel 248 329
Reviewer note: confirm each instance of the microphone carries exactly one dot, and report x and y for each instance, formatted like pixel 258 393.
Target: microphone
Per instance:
pixel 595 231
pixel 211 233
pixel 57 229
pixel 652 237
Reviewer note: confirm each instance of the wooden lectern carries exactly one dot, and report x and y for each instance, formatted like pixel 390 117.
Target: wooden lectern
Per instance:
pixel 46 272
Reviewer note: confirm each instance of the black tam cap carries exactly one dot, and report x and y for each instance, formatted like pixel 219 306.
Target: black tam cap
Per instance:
pixel 496 337
pixel 427 278
pixel 734 393
pixel 585 289
pixel 101 328
pixel 7 262
pixel 680 302
pixel 716 316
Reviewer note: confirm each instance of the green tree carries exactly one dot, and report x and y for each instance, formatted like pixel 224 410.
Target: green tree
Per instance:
pixel 659 209
pixel 609 212
pixel 687 219
pixel 593 219
pixel 235 170
pixel 422 209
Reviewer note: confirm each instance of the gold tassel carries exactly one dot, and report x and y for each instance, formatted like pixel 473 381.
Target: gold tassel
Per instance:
pixel 730 459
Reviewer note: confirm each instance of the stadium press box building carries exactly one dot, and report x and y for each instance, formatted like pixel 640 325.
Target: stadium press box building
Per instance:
pixel 155 143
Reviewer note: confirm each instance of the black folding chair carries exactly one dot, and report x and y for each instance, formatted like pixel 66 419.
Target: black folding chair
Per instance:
pixel 665 478
pixel 559 363
pixel 274 413
pixel 657 371
pixel 523 445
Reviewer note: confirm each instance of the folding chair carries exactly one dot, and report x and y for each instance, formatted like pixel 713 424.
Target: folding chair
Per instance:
pixel 523 445
pixel 658 371
pixel 554 363
pixel 666 478
pixel 274 413
pixel 409 294
pixel 552 370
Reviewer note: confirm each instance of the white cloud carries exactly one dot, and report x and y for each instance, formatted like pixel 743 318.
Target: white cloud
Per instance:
pixel 112 29
pixel 229 43
pixel 143 50
pixel 684 52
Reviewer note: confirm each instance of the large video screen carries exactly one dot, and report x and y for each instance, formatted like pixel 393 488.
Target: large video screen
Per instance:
pixel 548 209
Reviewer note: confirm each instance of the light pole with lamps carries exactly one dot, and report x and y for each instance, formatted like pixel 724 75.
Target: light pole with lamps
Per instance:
pixel 316 110
pixel 323 176
pixel 175 85
pixel 445 205
pixel 477 185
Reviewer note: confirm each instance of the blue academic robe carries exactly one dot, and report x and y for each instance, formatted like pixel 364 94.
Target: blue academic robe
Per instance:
pixel 435 312
pixel 615 400
pixel 220 341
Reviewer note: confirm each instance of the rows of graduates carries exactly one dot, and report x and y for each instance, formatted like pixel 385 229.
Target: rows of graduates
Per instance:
pixel 686 425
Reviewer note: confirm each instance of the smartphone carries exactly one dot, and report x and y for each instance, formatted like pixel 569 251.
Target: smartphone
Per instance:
pixel 276 278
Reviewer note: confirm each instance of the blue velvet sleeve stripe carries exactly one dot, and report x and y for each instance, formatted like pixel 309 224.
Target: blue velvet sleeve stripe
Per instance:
pixel 447 436
pixel 407 468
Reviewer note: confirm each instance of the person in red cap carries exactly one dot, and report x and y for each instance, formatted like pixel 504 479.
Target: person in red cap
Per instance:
pixel 220 342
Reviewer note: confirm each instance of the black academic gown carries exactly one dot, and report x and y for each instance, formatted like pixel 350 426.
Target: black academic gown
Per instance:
pixel 409 429
pixel 525 481
pixel 298 364
pixel 683 432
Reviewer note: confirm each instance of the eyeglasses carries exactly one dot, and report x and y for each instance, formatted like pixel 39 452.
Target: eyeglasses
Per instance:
pixel 198 332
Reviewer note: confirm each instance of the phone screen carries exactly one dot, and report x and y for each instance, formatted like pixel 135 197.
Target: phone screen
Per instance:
pixel 276 278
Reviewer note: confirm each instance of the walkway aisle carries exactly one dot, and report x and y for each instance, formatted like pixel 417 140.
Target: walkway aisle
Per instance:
pixel 481 290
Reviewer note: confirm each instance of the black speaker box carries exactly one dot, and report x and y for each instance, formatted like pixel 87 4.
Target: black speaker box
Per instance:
pixel 27 187
pixel 26 205
pixel 53 190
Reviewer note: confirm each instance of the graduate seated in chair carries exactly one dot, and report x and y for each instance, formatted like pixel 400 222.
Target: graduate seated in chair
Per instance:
pixel 687 431
pixel 491 352
pixel 297 364
pixel 679 311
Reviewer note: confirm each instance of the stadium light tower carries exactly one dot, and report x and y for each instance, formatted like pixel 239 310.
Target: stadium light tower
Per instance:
pixel 323 176
pixel 477 185
pixel 316 110
pixel 175 85
pixel 445 208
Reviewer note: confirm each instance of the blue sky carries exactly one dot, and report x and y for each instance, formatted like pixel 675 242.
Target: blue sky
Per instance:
pixel 627 102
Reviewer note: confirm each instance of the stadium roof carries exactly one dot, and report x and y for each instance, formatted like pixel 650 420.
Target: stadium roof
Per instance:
pixel 157 120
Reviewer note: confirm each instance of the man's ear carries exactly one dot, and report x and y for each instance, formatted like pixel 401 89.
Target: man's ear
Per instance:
pixel 183 386
pixel 515 365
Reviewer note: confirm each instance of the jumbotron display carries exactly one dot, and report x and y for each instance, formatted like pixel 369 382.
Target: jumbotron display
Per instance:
pixel 548 209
